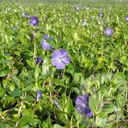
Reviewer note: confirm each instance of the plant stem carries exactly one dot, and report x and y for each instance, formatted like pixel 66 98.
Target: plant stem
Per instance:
pixel 34 55
pixel 2 117
pixel 21 105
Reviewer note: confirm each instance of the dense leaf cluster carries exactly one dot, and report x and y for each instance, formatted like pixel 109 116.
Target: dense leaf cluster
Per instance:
pixel 36 94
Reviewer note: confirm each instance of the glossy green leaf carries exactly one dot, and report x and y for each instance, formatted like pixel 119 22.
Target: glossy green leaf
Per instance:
pixel 5 72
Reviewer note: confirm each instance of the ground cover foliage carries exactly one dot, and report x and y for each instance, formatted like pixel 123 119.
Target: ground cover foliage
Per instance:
pixel 63 65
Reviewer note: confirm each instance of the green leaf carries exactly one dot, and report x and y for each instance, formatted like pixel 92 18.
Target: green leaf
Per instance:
pixel 57 126
pixel 109 108
pixel 5 61
pixel 8 102
pixel 45 66
pixel 16 80
pixel 37 71
pixel 5 72
pixel 29 99
pixel 111 117
pixel 59 82
pixel 47 123
pixel 76 90
pixel 17 53
pixel 28 112
pixel 28 119
pixel 3 125
pixel 75 36
pixel 64 119
pixel 16 93
pixel 2 92
pixel 120 101
pixel 51 42
pixel 77 77
pixel 23 125
pixel 30 63
pixel 101 119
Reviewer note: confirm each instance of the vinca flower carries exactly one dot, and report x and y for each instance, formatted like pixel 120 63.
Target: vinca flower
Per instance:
pixel 82 103
pixel 38 95
pixel 108 31
pixel 60 58
pixel 34 21
pixel 46 45
pixel 126 18
pixel 47 37
pixel 39 60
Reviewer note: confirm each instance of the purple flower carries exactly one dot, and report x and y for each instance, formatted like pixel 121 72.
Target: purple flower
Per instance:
pixel 45 45
pixel 38 95
pixel 126 18
pixel 108 31
pixel 34 21
pixel 47 37
pixel 82 103
pixel 39 60
pixel 60 59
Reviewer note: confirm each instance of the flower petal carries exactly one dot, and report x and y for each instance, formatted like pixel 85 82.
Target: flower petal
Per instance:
pixel 55 54
pixel 38 95
pixel 39 60
pixel 88 112
pixel 45 36
pixel 66 60
pixel 58 63
pixel 86 99
pixel 59 53
pixel 34 21
pixel 81 109
pixel 80 101
pixel 55 61
pixel 126 18
pixel 60 66
pixel 46 45
pixel 108 31
pixel 63 53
